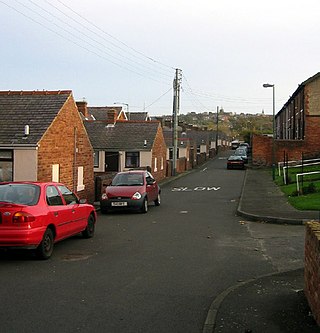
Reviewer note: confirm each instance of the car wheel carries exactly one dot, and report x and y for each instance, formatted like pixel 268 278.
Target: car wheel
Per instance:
pixel 88 232
pixel 144 207
pixel 158 200
pixel 45 248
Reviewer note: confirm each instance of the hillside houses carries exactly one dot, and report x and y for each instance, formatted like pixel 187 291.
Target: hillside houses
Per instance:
pixel 48 136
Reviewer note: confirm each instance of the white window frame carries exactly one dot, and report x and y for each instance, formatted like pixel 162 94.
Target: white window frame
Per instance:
pixel 155 164
pixel 56 173
pixel 80 185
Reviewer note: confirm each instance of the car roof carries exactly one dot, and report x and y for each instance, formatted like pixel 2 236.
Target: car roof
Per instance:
pixel 235 157
pixel 133 171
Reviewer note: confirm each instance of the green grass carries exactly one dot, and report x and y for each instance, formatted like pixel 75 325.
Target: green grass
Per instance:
pixel 303 201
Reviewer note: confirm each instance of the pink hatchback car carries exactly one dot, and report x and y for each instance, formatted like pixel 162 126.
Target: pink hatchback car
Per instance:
pixel 35 215
pixel 133 190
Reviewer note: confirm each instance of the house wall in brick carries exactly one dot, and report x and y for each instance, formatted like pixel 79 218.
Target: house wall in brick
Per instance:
pixel 159 153
pixel 311 269
pixel 57 146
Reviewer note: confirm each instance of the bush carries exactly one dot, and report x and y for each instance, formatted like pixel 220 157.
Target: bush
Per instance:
pixel 311 188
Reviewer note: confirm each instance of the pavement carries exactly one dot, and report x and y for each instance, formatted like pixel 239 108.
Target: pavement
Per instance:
pixel 271 303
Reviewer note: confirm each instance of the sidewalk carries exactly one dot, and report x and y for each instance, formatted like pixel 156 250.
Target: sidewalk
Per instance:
pixel 261 200
pixel 269 304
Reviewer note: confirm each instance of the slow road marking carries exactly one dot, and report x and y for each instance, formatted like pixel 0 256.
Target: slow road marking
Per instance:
pixel 195 189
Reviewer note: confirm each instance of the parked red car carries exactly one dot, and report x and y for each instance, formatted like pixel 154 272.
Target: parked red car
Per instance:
pixel 35 215
pixel 131 190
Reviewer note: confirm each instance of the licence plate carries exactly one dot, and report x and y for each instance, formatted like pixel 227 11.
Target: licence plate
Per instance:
pixel 119 204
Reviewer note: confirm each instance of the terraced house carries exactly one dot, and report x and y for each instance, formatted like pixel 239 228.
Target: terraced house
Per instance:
pixel 297 127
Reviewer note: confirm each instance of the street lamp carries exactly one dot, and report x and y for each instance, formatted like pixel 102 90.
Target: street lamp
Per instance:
pixel 267 85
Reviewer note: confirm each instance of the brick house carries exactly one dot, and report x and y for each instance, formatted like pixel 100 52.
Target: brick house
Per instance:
pixel 126 145
pixel 297 127
pixel 42 138
pixel 186 154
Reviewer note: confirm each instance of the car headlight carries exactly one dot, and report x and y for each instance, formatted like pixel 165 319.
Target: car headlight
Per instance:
pixel 136 196
pixel 104 196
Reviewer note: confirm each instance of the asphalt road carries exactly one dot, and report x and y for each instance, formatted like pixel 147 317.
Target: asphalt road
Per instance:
pixel 155 272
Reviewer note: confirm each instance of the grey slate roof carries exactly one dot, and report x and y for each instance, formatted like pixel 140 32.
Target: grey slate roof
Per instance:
pixel 142 116
pixel 101 112
pixel 125 135
pixel 37 109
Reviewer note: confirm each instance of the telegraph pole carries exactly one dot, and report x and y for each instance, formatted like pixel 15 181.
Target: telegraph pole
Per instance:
pixel 176 107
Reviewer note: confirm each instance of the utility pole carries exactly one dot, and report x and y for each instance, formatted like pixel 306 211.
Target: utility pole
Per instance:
pixel 176 107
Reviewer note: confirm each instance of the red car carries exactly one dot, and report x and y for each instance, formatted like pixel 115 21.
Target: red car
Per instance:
pixel 35 215
pixel 131 190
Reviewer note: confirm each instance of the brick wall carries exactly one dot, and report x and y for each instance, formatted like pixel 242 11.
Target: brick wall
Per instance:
pixel 159 151
pixel 310 147
pixel 311 272
pixel 58 147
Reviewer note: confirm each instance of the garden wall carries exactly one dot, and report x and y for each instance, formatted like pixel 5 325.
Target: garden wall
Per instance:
pixel 312 272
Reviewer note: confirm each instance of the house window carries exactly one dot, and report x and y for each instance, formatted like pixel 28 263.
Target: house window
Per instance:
pixel 155 164
pixel 55 173
pixel 162 166
pixel 6 165
pixel 96 158
pixel 132 159
pixel 80 185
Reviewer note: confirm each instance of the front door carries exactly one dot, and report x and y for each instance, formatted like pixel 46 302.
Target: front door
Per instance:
pixel 112 161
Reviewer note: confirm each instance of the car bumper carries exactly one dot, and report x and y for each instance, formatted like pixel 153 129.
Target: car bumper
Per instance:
pixel 235 166
pixel 23 238
pixel 121 204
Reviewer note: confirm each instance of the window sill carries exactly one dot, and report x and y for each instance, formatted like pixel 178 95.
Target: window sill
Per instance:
pixel 80 188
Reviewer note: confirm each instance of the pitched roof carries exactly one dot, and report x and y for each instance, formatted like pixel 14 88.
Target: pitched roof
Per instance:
pixel 124 135
pixel 37 109
pixel 101 112
pixel 142 116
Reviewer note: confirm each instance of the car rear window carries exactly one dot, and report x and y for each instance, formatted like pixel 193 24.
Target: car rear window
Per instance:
pixel 23 194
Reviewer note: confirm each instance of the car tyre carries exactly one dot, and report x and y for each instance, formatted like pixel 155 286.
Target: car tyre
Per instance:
pixel 88 232
pixel 45 248
pixel 144 208
pixel 157 202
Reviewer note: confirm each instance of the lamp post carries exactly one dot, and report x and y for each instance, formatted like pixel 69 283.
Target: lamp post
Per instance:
pixel 267 85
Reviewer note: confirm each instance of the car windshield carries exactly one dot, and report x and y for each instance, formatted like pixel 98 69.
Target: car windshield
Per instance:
pixel 128 179
pixel 22 194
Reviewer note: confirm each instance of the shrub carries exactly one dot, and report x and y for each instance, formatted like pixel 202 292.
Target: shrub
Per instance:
pixel 311 188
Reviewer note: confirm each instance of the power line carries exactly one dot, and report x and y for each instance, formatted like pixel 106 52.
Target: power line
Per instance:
pixel 145 64
pixel 114 38
pixel 90 50
pixel 158 98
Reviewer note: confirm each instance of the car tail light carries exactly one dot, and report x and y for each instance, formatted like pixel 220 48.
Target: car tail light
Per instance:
pixel 23 217
pixel 136 196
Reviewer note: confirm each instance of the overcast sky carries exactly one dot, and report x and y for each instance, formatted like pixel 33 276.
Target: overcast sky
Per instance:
pixel 126 51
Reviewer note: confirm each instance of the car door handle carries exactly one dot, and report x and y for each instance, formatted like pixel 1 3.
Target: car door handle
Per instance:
pixel 73 211
pixel 55 213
